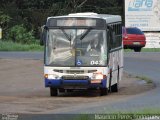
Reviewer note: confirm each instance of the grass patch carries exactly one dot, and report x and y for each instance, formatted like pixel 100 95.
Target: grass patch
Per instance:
pixel 148 80
pixel 10 46
pixel 123 115
pixel 142 111
pixel 150 49
pixel 84 117
pixel 144 50
pixel 149 111
pixel 128 50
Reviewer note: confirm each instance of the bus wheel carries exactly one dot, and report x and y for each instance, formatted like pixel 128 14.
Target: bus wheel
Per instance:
pixel 115 87
pixel 53 91
pixel 103 91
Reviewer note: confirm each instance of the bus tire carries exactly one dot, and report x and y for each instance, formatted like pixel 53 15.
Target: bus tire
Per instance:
pixel 110 81
pixel 61 90
pixel 53 92
pixel 103 91
pixel 115 87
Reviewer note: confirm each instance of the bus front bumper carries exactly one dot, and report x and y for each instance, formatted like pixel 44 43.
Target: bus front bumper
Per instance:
pixel 75 84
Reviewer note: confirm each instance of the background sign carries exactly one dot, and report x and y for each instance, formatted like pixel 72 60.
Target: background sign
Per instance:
pixel 144 14
pixel 153 40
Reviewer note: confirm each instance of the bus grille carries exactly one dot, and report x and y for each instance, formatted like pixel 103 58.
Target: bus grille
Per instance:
pixel 69 77
pixel 75 71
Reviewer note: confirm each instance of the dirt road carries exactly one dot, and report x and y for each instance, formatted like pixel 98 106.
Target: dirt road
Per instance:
pixel 22 90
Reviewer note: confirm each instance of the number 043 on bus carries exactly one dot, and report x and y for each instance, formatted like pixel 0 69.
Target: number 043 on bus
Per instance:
pixel 82 51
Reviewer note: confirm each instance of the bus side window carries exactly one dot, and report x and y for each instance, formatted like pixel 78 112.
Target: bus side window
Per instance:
pixel 109 39
pixel 116 35
pixel 112 39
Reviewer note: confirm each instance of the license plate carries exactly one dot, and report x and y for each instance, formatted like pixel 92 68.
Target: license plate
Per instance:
pixel 136 43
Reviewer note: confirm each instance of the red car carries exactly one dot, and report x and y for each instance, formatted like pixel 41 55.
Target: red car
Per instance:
pixel 133 38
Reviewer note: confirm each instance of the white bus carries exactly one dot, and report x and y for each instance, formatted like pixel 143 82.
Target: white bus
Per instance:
pixel 83 51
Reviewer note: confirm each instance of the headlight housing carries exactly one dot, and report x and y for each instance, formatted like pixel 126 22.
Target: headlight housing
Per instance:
pixel 51 76
pixel 98 76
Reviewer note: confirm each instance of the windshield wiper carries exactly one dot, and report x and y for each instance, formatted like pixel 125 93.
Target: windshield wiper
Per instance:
pixel 66 34
pixel 84 35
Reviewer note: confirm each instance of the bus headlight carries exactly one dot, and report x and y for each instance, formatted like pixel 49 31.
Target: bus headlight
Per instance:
pixel 45 75
pixel 51 76
pixel 98 76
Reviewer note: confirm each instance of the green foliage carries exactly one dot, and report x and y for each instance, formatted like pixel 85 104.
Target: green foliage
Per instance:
pixel 144 50
pixel 19 34
pixel 4 20
pixel 148 80
pixel 33 14
pixel 10 46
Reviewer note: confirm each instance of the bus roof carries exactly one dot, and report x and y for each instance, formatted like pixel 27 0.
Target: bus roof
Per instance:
pixel 109 18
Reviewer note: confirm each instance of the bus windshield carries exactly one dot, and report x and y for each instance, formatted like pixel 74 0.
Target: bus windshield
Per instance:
pixel 76 47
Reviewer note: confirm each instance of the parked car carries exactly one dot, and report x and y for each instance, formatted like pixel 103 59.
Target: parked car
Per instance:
pixel 133 38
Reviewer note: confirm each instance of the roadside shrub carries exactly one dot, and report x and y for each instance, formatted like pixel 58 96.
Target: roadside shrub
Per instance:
pixel 19 34
pixel 10 46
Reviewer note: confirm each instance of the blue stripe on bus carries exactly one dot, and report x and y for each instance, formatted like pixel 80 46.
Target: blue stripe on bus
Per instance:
pixel 59 82
pixel 104 83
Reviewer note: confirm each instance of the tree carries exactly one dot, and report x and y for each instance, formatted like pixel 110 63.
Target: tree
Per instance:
pixel 33 13
pixel 4 20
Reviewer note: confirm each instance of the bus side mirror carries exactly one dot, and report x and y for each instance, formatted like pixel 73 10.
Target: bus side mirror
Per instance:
pixel 43 35
pixel 109 40
pixel 113 37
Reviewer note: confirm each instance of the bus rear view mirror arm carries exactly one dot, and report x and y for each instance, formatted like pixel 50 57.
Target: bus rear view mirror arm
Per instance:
pixel 43 35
